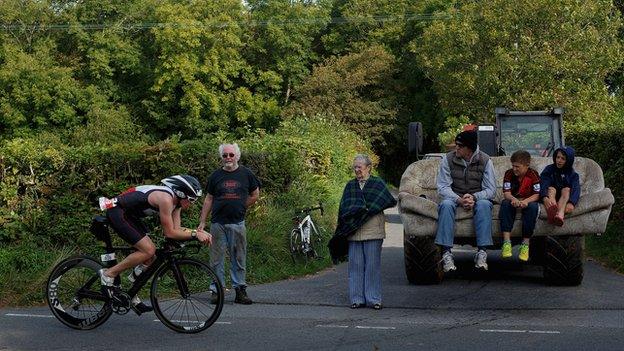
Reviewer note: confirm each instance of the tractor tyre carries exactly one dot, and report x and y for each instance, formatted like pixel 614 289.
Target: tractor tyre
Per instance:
pixel 563 262
pixel 422 260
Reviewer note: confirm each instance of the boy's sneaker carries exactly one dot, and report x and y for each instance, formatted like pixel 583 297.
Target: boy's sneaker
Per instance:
pixel 106 280
pixel 506 250
pixel 524 252
pixel 480 260
pixel 447 262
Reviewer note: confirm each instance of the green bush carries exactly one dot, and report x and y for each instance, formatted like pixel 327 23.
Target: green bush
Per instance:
pixel 49 191
pixel 603 142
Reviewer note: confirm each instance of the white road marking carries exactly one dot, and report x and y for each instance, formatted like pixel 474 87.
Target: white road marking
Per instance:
pixel 180 321
pixel 356 327
pixel 29 315
pixel 519 331
pixel 368 327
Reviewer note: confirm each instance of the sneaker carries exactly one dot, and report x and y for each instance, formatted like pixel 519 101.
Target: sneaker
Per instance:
pixel 106 280
pixel 480 260
pixel 241 296
pixel 136 271
pixel 214 297
pixel 524 252
pixel 506 250
pixel 139 307
pixel 447 262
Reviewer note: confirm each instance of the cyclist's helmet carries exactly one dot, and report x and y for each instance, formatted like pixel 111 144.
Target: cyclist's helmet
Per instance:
pixel 184 186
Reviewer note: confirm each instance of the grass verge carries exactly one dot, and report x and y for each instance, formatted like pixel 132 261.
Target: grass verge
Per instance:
pixel 609 247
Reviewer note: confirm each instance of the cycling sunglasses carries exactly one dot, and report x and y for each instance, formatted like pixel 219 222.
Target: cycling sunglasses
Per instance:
pixel 191 199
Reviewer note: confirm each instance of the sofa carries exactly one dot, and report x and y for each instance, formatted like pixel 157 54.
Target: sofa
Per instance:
pixel 418 207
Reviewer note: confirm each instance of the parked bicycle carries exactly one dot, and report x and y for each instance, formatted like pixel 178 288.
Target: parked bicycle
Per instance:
pixel 304 234
pixel 180 289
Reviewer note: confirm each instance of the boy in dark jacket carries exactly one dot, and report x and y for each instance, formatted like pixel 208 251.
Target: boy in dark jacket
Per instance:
pixel 560 187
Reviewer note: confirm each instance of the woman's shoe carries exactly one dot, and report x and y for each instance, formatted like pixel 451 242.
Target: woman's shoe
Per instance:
pixel 377 306
pixel 357 305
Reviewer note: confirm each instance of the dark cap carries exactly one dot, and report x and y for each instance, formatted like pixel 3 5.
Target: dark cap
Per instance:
pixel 467 138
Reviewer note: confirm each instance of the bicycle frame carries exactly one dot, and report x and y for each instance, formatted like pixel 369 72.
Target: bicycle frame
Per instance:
pixel 163 256
pixel 307 227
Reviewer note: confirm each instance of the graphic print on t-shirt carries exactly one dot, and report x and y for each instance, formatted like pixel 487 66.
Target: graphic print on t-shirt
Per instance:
pixel 230 188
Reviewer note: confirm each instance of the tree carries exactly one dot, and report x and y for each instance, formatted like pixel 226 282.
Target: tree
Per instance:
pixel 525 54
pixel 355 89
pixel 283 38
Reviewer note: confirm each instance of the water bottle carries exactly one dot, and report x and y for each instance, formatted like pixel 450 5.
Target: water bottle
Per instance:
pixel 106 203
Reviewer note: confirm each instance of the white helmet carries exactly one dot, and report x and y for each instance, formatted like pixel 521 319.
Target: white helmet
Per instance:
pixel 184 186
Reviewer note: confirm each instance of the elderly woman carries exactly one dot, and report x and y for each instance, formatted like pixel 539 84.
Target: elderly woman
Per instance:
pixel 361 222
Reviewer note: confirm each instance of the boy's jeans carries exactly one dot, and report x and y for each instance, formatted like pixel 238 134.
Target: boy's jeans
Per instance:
pixel 507 215
pixel 482 219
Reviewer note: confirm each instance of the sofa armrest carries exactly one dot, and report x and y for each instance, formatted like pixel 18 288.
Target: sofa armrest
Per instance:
pixel 593 202
pixel 409 203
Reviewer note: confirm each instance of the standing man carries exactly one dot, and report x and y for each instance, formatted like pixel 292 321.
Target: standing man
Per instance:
pixel 466 178
pixel 230 191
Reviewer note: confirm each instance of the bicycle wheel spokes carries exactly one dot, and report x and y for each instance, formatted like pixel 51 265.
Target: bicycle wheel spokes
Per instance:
pixel 189 310
pixel 297 246
pixel 74 294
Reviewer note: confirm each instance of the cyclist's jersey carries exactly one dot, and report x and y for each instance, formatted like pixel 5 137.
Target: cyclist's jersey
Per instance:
pixel 134 200
pixel 132 205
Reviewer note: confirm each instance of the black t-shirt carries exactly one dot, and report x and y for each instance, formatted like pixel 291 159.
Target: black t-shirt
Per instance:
pixel 230 191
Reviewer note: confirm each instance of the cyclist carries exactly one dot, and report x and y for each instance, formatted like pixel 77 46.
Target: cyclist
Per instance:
pixel 167 201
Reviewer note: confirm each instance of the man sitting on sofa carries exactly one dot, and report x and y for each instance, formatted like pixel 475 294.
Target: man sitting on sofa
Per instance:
pixel 466 178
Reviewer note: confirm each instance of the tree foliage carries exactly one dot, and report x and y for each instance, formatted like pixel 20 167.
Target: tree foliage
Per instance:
pixel 355 89
pixel 526 55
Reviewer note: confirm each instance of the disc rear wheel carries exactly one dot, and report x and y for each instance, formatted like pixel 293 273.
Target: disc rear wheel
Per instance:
pixel 74 293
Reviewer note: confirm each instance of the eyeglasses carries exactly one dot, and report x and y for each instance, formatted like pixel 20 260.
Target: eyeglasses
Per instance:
pixel 459 145
pixel 226 155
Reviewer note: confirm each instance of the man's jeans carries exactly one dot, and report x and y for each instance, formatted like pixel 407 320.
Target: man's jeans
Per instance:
pixel 232 236
pixel 482 219
pixel 507 214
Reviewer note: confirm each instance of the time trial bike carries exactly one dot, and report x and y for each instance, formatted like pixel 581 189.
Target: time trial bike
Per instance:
pixel 180 287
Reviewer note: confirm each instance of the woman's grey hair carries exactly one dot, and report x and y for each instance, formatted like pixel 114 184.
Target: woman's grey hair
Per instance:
pixel 363 158
pixel 235 146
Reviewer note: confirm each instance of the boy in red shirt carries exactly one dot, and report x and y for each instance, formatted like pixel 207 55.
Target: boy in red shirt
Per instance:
pixel 521 189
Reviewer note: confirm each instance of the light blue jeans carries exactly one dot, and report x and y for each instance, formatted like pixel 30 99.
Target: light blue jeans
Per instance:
pixel 234 238
pixel 482 219
pixel 365 272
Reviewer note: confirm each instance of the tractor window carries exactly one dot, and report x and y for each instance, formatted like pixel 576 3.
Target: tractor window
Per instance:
pixel 531 133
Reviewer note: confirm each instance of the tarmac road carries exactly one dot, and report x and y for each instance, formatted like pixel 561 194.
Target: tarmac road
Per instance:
pixel 507 308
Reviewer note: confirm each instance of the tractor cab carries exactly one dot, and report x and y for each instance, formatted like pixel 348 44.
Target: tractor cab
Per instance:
pixel 538 132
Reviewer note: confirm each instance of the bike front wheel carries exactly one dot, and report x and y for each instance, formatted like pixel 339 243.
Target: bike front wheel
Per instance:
pixel 182 298
pixel 74 293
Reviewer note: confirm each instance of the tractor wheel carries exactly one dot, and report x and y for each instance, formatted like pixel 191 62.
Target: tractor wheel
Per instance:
pixel 563 263
pixel 422 260
pixel 537 251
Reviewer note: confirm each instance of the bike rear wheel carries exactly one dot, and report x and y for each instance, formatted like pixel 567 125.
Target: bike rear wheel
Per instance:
pixel 181 295
pixel 74 293
pixel 297 246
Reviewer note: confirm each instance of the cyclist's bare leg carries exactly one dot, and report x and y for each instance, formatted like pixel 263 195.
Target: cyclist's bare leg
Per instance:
pixel 145 251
